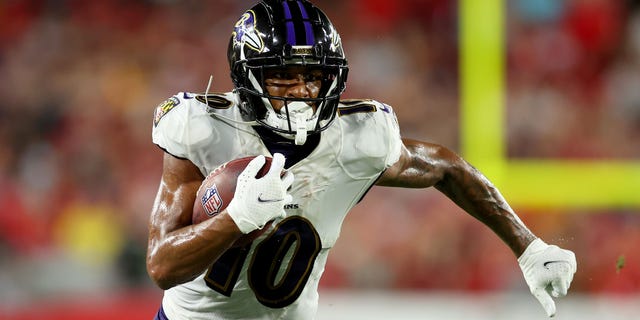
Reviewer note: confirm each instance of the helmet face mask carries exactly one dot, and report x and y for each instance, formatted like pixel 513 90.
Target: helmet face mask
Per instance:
pixel 277 36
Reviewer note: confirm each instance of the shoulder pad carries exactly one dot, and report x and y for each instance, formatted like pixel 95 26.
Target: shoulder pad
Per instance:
pixel 368 120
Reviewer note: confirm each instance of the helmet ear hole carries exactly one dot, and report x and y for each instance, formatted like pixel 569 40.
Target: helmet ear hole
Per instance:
pixel 318 51
pixel 286 50
pixel 237 74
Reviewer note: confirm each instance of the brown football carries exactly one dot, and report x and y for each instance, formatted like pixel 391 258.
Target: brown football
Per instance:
pixel 217 190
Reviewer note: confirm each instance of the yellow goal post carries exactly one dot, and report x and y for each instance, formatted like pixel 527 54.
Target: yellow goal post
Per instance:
pixel 531 183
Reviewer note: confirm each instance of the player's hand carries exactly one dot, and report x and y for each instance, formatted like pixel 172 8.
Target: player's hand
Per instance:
pixel 258 201
pixel 548 271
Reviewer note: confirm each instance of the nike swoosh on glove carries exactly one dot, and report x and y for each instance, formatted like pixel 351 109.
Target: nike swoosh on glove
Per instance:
pixel 548 271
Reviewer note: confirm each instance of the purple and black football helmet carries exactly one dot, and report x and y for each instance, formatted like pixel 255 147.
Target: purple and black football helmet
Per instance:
pixel 281 33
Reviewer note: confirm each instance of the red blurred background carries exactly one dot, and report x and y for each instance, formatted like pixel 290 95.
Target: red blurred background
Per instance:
pixel 79 81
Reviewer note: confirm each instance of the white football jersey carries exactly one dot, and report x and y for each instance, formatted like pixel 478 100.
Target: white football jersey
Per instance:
pixel 277 276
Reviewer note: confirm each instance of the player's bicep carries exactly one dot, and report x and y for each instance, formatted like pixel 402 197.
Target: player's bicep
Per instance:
pixel 421 165
pixel 173 205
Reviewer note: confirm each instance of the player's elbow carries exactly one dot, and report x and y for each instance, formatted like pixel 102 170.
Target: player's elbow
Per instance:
pixel 446 162
pixel 160 275
pixel 454 169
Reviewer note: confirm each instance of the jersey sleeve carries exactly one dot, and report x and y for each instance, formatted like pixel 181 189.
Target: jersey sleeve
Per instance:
pixel 394 142
pixel 180 124
pixel 371 138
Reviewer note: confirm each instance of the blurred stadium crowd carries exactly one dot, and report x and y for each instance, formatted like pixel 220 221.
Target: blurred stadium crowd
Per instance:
pixel 78 173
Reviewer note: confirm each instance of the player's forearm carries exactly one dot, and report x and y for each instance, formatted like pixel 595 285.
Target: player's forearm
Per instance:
pixel 474 193
pixel 183 254
pixel 504 223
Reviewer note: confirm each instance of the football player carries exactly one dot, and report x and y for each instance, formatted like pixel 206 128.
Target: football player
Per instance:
pixel 289 70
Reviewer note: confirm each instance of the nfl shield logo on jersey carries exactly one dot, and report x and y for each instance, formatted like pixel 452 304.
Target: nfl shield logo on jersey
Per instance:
pixel 211 201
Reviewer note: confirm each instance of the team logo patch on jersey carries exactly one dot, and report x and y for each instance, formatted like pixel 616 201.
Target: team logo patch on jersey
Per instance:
pixel 164 108
pixel 211 201
pixel 246 34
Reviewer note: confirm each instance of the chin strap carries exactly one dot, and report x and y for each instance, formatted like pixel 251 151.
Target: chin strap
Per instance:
pixel 294 115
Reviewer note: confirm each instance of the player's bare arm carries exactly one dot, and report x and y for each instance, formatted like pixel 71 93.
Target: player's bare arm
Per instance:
pixel 423 165
pixel 548 269
pixel 177 250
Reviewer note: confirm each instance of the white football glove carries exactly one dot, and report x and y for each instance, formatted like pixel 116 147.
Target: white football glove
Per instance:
pixel 258 201
pixel 548 270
